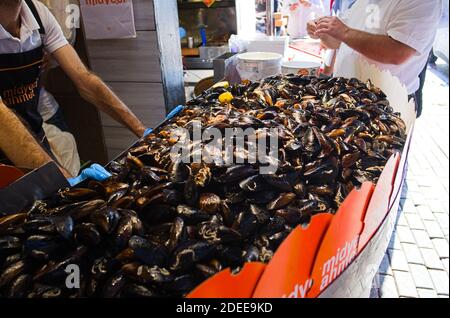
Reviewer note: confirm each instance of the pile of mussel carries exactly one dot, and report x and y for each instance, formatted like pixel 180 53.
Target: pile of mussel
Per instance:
pixel 160 227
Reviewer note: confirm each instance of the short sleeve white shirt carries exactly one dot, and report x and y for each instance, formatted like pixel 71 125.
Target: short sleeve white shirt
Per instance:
pixel 29 32
pixel 30 39
pixel 411 22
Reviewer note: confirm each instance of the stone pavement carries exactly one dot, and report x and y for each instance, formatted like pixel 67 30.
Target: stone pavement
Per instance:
pixel 417 262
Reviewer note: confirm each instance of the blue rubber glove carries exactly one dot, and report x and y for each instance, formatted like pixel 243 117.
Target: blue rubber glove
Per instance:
pixel 148 131
pixel 183 33
pixel 95 172
pixel 175 112
pixel 171 115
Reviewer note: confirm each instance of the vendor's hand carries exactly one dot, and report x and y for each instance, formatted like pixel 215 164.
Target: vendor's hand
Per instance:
pixel 311 27
pixel 148 131
pixel 171 115
pixel 175 112
pixel 94 172
pixel 331 26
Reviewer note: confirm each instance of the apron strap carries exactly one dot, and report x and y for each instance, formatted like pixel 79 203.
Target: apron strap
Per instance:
pixel 36 16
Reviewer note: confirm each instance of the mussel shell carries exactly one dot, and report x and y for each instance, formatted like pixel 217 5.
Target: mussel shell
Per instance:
pixel 275 225
pixel 263 197
pixel 46 292
pixel 209 203
pixel 80 194
pixel 246 224
pixel 231 256
pixel 278 238
pixel 237 173
pixel 253 184
pixel 281 201
pixel 41 247
pixel 147 252
pixel 101 268
pixel 192 216
pixel 261 214
pixel 9 245
pixel 178 233
pixel 11 220
pixel 12 272
pixel 147 275
pixel 188 254
pixel 279 182
pixel 180 172
pixel 54 272
pixel 20 286
pixel 158 213
pixel 251 254
pixel 123 233
pixel 218 234
pixel 191 192
pixel 39 225
pixel 114 285
pixel 64 225
pixel 138 291
pixel 291 215
pixel 84 210
pixel 87 234
pixel 106 219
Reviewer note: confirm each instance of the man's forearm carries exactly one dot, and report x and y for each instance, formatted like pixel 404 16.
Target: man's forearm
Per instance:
pixel 95 91
pixel 329 42
pixel 380 48
pixel 19 145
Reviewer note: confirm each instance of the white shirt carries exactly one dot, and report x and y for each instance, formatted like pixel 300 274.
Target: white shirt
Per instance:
pixel 30 39
pixel 411 22
pixel 29 32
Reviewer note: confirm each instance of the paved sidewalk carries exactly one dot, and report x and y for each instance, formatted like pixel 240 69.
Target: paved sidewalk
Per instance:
pixel 417 262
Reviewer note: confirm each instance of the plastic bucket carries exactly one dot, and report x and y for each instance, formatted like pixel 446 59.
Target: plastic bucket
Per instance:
pixel 300 68
pixel 256 66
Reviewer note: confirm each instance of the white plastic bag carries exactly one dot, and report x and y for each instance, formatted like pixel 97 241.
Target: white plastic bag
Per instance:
pixel 64 148
pixel 108 19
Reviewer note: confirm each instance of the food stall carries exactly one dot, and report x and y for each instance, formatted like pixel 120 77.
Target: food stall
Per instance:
pixel 184 226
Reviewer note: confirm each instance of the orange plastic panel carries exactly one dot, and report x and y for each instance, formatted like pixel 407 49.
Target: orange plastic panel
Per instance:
pixel 379 203
pixel 8 175
pixel 288 275
pixel 340 244
pixel 227 285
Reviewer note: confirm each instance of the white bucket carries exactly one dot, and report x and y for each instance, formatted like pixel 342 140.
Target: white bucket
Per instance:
pixel 255 66
pixel 300 68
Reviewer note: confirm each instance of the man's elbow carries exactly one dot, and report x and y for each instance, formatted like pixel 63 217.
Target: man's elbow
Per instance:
pixel 401 54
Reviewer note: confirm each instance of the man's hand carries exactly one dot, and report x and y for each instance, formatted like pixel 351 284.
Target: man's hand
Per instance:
pixel 327 41
pixel 169 116
pixel 331 27
pixel 311 28
pixel 94 172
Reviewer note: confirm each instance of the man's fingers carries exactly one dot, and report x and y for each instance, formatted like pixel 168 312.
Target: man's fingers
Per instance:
pixel 322 26
pixel 322 30
pixel 323 20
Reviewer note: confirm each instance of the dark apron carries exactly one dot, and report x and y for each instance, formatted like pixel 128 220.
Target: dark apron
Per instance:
pixel 20 85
